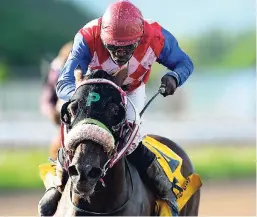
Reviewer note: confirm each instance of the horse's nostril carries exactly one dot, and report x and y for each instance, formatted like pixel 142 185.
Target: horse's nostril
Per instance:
pixel 95 173
pixel 72 170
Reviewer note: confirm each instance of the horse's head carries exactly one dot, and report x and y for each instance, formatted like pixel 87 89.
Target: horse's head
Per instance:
pixel 94 118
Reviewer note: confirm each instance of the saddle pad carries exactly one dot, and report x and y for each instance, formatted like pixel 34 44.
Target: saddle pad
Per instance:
pixel 171 164
pixel 162 208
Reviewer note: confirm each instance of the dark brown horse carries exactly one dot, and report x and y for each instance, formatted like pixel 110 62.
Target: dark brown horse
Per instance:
pixel 91 189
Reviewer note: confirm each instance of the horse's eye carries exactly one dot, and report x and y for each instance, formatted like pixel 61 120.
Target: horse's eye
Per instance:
pixel 73 109
pixel 65 116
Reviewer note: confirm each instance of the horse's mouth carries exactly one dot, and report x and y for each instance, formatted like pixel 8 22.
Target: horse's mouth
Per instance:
pixel 84 189
pixel 84 193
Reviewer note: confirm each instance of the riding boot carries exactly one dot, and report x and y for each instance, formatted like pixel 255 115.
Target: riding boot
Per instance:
pixel 47 206
pixel 147 165
pixel 162 185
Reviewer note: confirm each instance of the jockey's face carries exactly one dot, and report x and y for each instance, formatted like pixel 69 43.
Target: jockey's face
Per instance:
pixel 121 54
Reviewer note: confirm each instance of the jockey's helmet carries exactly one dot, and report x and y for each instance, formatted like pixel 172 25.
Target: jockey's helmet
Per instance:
pixel 122 24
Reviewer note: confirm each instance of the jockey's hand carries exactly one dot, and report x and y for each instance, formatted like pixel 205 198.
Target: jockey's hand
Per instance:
pixel 169 83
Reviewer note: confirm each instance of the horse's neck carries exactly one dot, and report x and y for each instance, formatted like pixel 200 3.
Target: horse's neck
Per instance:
pixel 116 192
pixel 116 179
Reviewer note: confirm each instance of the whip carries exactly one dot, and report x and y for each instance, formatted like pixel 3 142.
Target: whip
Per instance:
pixel 160 90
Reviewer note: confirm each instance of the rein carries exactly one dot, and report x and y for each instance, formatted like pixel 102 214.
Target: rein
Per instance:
pixel 114 211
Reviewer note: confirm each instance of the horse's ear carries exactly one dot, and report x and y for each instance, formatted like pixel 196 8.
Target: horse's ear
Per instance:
pixel 120 76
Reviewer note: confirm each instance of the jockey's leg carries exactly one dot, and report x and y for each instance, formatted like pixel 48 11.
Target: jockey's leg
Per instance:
pixel 146 162
pixel 48 204
pixel 148 166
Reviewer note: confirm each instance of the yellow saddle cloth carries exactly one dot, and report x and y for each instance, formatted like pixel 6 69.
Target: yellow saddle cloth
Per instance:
pixel 48 175
pixel 171 164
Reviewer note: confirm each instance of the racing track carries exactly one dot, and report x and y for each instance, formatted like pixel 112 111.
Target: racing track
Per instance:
pixel 219 199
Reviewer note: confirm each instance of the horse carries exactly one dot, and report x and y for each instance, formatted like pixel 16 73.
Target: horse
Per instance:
pixel 93 188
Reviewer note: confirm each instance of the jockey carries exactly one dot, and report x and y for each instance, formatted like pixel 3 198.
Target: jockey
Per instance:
pixel 123 38
pixel 49 103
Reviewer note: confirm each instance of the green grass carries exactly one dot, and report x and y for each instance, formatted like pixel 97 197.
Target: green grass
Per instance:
pixel 224 162
pixel 19 167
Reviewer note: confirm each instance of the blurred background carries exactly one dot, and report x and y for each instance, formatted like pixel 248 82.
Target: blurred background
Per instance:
pixel 212 115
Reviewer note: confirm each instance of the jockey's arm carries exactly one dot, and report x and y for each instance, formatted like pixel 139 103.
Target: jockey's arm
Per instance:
pixel 79 56
pixel 175 59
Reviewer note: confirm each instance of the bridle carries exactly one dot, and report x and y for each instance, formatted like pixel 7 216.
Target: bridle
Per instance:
pixel 128 130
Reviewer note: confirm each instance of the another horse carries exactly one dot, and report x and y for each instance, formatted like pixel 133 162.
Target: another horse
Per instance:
pixel 91 189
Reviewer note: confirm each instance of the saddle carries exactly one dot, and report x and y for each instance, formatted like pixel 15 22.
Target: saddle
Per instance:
pixel 171 163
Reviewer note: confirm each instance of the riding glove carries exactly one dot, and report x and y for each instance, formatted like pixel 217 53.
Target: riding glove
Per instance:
pixel 169 83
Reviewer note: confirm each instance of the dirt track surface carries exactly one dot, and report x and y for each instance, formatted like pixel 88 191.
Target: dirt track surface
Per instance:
pixel 219 199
